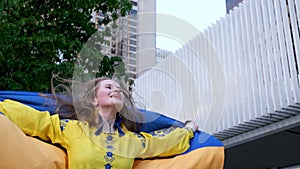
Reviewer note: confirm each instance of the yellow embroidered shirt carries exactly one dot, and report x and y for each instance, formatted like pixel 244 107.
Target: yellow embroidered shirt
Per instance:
pixel 87 150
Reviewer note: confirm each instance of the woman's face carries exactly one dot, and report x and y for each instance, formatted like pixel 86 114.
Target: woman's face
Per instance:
pixel 109 94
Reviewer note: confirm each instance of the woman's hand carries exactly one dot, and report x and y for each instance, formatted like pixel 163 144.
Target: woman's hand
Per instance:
pixel 191 124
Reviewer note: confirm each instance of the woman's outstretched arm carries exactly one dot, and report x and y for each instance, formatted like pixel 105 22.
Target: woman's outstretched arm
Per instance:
pixel 31 121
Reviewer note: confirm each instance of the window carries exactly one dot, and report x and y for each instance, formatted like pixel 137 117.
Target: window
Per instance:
pixel 133 12
pixel 113 51
pixel 131 68
pixel 131 55
pixel 133 29
pixel 132 49
pixel 132 42
pixel 132 36
pixel 133 23
pixel 134 3
pixel 133 62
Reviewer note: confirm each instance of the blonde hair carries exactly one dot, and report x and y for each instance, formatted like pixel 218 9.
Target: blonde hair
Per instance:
pixel 74 101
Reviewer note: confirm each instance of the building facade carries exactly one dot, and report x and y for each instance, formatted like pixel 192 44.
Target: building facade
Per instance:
pixel 239 80
pixel 146 35
pixel 132 40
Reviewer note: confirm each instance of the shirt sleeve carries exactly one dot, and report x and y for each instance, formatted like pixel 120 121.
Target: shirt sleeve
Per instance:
pixel 33 122
pixel 160 143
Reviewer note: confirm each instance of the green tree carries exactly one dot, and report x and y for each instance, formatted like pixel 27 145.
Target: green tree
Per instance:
pixel 41 37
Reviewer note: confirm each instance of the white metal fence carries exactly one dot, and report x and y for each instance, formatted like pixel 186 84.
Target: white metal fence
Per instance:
pixel 255 49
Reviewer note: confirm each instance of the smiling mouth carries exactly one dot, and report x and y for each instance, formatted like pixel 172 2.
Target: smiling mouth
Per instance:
pixel 115 96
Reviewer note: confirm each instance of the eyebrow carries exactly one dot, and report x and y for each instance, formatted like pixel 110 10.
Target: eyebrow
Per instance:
pixel 110 84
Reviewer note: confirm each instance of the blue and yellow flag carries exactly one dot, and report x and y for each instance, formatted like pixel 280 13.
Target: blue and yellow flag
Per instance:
pixel 205 150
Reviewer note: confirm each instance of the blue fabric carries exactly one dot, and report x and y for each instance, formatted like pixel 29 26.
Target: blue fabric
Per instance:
pixel 202 139
pixel 32 99
pixel 156 121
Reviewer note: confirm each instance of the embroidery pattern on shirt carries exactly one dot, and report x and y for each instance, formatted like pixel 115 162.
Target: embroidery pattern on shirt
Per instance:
pixel 109 156
pixel 142 140
pixel 63 124
pixel 162 132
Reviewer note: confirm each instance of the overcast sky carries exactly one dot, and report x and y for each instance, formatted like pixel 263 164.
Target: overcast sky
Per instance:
pixel 199 13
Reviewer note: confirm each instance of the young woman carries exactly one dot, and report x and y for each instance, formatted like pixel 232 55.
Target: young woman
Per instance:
pixel 101 130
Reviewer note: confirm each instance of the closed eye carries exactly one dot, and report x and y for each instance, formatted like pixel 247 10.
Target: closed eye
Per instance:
pixel 108 86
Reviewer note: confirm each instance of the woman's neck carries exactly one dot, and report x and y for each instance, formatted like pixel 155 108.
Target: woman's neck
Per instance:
pixel 108 119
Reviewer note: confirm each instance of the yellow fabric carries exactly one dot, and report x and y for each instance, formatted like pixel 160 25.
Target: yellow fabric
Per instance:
pixel 202 158
pixel 85 149
pixel 20 151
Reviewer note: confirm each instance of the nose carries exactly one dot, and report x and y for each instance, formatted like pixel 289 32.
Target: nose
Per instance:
pixel 117 91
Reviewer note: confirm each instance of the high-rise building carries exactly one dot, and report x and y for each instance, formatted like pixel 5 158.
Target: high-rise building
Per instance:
pixel 146 35
pixel 134 40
